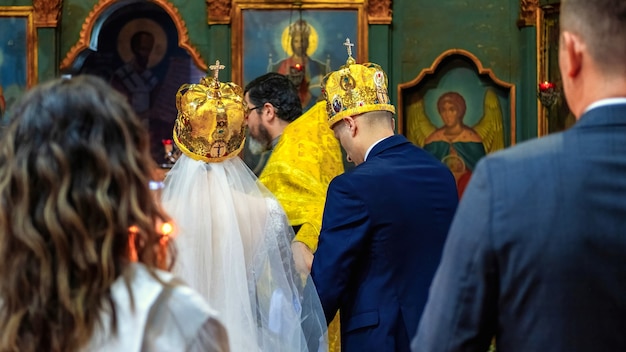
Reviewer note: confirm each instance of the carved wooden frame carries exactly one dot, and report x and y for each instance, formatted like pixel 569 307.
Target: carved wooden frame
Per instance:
pixel 237 50
pixel 547 64
pixel 219 11
pixel 101 10
pixel 47 12
pixel 480 70
pixel 528 13
pixel 26 12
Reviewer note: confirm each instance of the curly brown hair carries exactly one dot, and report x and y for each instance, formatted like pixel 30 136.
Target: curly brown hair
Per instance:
pixel 74 178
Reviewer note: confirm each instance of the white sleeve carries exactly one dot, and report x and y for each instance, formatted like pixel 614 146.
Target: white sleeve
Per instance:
pixel 211 337
pixel 181 320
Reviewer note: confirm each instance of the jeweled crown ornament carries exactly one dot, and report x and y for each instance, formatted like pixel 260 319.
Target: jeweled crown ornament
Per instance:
pixel 210 125
pixel 355 89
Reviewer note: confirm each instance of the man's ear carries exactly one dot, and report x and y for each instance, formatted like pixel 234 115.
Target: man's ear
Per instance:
pixel 269 113
pixel 572 49
pixel 351 125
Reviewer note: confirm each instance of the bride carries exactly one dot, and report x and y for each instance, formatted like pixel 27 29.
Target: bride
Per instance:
pixel 232 235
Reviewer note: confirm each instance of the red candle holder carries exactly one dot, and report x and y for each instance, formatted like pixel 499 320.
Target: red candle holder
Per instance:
pixel 171 153
pixel 548 93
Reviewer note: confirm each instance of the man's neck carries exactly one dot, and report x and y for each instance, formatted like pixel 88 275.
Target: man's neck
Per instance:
pixel 277 128
pixel 370 139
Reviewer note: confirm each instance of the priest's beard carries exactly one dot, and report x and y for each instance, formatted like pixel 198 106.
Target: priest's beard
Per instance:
pixel 262 142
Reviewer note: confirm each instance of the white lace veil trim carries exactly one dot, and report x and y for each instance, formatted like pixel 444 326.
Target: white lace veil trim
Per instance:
pixel 233 242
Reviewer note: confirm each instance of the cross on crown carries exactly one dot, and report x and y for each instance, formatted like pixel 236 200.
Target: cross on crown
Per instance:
pixel 216 69
pixel 348 46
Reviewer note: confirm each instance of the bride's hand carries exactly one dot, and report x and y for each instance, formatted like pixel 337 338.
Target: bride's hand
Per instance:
pixel 302 256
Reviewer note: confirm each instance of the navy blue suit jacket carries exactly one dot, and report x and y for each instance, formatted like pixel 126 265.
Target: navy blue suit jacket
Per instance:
pixel 536 255
pixel 382 234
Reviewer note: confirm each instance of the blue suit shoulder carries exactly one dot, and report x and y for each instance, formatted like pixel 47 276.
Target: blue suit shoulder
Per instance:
pixel 397 151
pixel 533 151
pixel 522 170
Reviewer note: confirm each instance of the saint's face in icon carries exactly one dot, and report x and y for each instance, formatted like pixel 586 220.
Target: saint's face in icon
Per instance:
pixel 451 107
pixel 449 114
pixel 141 45
pixel 299 44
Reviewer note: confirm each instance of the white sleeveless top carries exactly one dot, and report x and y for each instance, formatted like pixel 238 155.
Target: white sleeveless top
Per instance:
pixel 167 316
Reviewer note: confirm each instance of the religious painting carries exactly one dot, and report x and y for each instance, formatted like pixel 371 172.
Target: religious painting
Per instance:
pixel 553 112
pixel 140 56
pixel 458 112
pixel 302 42
pixel 18 55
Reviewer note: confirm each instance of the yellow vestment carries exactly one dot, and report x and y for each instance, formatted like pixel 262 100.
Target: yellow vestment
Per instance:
pixel 302 164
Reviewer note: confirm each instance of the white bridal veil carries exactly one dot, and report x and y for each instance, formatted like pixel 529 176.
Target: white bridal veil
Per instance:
pixel 233 241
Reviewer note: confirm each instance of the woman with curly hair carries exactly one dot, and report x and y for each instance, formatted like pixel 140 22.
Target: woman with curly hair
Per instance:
pixel 73 187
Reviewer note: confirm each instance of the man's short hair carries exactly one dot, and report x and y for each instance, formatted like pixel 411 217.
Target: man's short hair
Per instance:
pixel 277 90
pixel 602 25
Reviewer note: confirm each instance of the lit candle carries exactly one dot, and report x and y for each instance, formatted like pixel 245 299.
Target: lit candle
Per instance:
pixel 132 234
pixel 545 86
pixel 166 231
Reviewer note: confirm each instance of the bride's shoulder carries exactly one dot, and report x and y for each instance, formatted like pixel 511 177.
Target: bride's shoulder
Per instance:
pixel 274 206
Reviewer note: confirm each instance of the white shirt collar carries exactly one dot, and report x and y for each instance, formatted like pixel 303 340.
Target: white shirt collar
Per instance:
pixel 372 146
pixel 606 102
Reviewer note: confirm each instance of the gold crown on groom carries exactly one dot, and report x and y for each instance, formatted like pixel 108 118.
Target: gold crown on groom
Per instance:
pixel 210 125
pixel 355 89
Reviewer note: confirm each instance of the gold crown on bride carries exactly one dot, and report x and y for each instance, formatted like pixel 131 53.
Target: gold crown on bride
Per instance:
pixel 355 89
pixel 210 125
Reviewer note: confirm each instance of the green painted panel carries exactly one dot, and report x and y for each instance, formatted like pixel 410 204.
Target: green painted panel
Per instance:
pixel 47 49
pixel 15 2
pixel 74 13
pixel 527 86
pixel 425 29
pixel 380 39
pixel 194 13
pixel 220 48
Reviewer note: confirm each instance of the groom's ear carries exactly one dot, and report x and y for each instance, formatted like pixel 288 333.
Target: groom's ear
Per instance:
pixel 351 125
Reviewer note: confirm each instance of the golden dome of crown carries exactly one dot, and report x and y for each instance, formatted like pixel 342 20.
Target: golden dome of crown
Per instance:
pixel 355 89
pixel 210 125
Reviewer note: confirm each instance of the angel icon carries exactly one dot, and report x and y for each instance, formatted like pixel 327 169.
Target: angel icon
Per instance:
pixel 456 144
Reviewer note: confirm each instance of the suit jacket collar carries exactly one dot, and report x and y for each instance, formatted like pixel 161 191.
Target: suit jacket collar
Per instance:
pixel 386 144
pixel 606 115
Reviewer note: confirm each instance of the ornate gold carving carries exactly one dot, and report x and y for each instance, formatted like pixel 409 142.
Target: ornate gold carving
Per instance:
pixel 379 11
pixel 47 12
pixel 218 11
pixel 100 8
pixel 527 13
